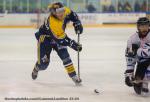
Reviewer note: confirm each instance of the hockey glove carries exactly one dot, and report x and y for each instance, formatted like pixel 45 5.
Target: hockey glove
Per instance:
pixel 76 46
pixel 134 50
pixel 78 27
pixel 129 77
pixel 69 42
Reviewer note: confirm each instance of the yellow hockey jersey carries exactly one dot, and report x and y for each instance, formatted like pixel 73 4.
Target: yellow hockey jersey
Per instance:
pixel 55 27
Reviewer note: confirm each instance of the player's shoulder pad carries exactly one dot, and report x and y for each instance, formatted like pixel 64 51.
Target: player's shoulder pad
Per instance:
pixel 134 36
pixel 67 10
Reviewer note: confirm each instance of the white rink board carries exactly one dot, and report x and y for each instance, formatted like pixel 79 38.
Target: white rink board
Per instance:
pixel 102 67
pixel 86 18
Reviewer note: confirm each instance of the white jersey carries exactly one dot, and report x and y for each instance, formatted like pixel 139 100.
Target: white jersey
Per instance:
pixel 135 39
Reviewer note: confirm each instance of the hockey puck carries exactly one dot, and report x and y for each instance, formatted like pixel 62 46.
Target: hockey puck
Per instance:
pixel 96 91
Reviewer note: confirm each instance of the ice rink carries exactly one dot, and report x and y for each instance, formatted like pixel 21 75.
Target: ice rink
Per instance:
pixel 102 67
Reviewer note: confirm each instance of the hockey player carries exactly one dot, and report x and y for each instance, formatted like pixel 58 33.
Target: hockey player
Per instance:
pixel 135 42
pixel 51 35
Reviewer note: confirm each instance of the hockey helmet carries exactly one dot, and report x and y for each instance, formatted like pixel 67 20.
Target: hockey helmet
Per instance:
pixel 56 8
pixel 143 21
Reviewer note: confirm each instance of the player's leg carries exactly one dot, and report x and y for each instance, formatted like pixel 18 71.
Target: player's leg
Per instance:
pixel 44 50
pixel 145 89
pixel 146 80
pixel 140 75
pixel 148 73
pixel 67 62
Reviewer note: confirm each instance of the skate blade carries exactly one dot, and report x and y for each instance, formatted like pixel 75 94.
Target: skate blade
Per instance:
pixel 78 84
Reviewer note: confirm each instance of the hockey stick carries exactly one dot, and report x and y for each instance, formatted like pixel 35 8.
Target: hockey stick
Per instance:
pixel 78 56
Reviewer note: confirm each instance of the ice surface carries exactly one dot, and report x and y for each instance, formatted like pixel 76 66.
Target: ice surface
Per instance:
pixel 102 67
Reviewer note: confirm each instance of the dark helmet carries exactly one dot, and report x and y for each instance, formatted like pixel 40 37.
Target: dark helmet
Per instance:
pixel 55 7
pixel 143 21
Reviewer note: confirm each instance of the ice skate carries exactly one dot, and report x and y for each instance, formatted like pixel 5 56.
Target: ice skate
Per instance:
pixel 77 80
pixel 35 73
pixel 145 89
